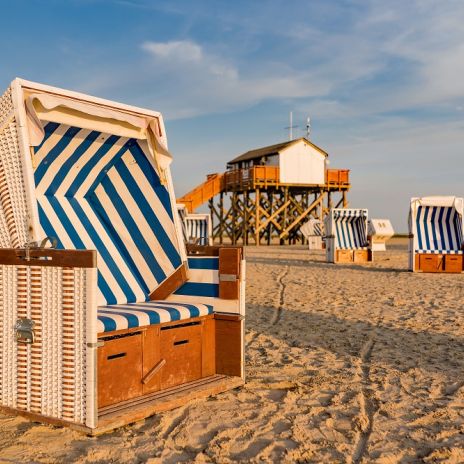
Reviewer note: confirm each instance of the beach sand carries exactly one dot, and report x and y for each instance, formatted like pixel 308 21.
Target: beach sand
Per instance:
pixel 344 363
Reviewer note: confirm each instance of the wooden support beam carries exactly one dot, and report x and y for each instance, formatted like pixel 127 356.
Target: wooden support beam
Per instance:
pixel 273 215
pixel 257 216
pixel 339 203
pixel 221 218
pixel 313 205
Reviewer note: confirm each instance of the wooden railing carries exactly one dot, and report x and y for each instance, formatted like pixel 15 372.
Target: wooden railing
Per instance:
pixel 337 177
pixel 250 177
pixel 255 176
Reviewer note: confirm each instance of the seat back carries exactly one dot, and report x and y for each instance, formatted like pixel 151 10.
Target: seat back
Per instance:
pixel 439 229
pixel 100 191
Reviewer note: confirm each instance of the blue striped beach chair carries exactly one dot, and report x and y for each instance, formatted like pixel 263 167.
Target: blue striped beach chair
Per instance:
pixel 196 227
pixel 436 242
pixel 106 317
pixel 346 236
pixel 199 228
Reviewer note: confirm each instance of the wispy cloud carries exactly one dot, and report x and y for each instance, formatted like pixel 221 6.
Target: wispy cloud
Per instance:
pixel 207 82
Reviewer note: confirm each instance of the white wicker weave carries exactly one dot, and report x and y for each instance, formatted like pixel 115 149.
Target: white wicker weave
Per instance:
pixel 8 346
pixel 13 205
pixel 47 377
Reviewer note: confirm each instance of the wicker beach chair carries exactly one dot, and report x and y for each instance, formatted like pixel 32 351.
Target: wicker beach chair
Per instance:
pixel 199 228
pixel 196 227
pixel 118 320
pixel 346 236
pixel 379 231
pixel 436 242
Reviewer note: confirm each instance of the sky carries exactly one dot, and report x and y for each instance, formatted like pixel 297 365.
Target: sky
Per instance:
pixel 382 81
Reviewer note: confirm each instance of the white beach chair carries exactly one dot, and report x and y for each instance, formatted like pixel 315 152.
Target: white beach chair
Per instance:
pixel 120 321
pixel 379 231
pixel 346 236
pixel 313 231
pixel 436 240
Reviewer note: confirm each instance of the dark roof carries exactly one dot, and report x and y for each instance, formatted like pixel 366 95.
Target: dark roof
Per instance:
pixel 272 150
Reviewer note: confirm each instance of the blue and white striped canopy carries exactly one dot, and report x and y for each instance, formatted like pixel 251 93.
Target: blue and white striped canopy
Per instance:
pixel 350 228
pixel 439 229
pixel 101 191
pixel 342 213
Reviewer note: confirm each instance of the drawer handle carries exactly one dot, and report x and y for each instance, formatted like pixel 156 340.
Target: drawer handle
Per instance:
pixel 115 356
pixel 153 371
pixel 181 342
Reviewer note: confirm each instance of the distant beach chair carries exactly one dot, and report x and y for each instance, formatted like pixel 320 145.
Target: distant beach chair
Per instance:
pixel 196 227
pixel 379 231
pixel 199 228
pixel 118 319
pixel 346 236
pixel 436 242
pixel 313 231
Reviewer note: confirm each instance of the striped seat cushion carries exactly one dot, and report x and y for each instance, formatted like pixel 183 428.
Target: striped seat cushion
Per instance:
pixel 441 252
pixel 351 229
pixel 100 191
pixel 127 316
pixel 439 230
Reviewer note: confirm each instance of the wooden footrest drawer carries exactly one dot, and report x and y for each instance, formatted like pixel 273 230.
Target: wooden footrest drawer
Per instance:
pixel 360 256
pixel 120 369
pixel 453 263
pixel 180 346
pixel 344 256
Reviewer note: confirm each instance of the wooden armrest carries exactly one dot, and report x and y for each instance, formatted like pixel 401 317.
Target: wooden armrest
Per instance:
pixel 48 257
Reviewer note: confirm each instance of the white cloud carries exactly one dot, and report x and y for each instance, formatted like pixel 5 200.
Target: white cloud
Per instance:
pixel 182 50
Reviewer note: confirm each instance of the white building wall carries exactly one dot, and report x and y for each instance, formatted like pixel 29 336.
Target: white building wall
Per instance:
pixel 301 164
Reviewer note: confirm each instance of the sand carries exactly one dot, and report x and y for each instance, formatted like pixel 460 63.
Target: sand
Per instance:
pixel 345 363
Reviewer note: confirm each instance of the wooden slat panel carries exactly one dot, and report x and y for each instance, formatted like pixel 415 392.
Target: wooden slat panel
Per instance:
pixel 208 349
pixel 229 347
pixel 229 266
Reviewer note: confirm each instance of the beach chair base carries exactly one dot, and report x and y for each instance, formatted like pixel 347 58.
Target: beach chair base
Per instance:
pixel 142 407
pixel 315 243
pixel 439 263
pixel 353 256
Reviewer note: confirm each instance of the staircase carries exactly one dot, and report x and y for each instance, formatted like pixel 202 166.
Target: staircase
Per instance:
pixel 204 192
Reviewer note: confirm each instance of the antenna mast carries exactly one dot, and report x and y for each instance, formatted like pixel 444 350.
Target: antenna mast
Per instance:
pixel 291 127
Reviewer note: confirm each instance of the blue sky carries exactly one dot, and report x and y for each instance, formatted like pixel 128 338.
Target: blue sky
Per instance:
pixel 382 80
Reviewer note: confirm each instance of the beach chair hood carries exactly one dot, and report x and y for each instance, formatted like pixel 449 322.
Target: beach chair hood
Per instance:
pixel 95 176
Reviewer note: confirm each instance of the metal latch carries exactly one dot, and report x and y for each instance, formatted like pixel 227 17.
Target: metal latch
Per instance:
pixel 25 331
pixel 227 277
